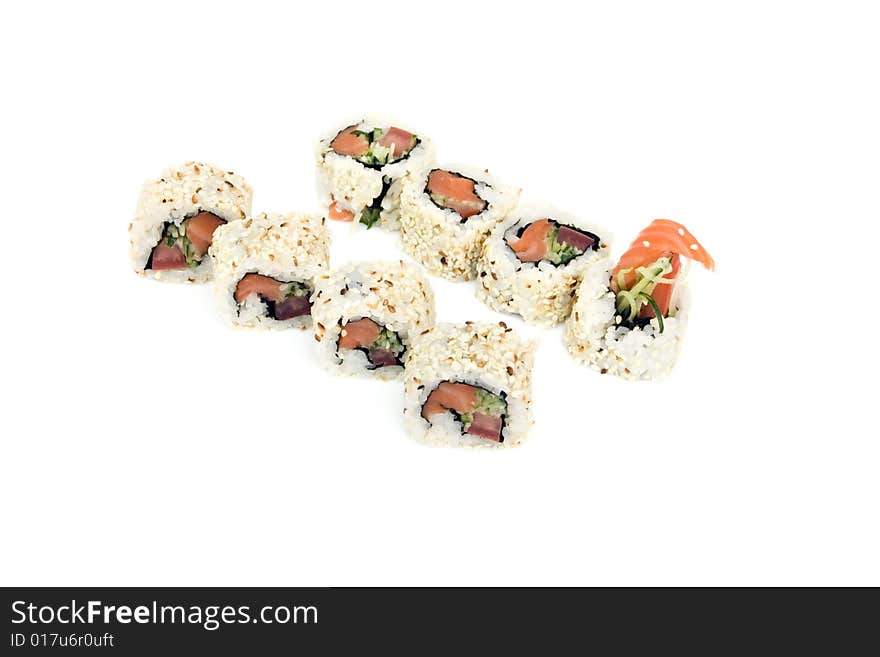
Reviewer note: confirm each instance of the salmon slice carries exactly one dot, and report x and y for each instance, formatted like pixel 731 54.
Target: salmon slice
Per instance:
pixel 532 245
pixel 266 287
pixel 338 213
pixel 456 192
pixel 458 397
pixel 662 293
pixel 348 143
pixel 399 141
pixel 167 257
pixel 200 231
pixel 662 236
pixel 357 334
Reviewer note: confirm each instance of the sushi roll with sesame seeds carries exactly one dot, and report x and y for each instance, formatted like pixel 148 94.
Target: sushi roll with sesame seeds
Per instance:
pixel 532 261
pixel 265 269
pixel 360 165
pixel 176 217
pixel 367 314
pixel 469 385
pixel 446 214
pixel 629 320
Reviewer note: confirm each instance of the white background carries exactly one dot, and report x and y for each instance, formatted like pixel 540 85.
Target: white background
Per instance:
pixel 144 442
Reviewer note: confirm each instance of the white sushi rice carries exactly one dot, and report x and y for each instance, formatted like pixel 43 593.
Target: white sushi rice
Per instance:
pixel 179 193
pixel 540 292
pixel 396 295
pixel 491 356
pixel 437 237
pixel 287 247
pixel 595 339
pixel 354 186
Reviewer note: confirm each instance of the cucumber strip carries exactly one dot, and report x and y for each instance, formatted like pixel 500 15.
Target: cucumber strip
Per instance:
pixel 656 308
pixel 369 216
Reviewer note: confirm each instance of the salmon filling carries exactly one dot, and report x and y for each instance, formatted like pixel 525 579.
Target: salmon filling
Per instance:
pixel 284 300
pixel 452 191
pixel 549 240
pixel 375 148
pixel 382 347
pixel 184 246
pixel 337 212
pixel 480 412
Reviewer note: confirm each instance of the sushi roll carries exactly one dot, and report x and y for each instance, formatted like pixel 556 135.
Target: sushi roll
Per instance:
pixel 359 168
pixel 532 262
pixel 630 320
pixel 265 269
pixel 176 217
pixel 446 214
pixel 469 385
pixel 367 314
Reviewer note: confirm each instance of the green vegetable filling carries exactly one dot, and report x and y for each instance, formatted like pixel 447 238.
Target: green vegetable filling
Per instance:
pixel 389 341
pixel 629 302
pixel 560 253
pixel 172 235
pixel 296 289
pixel 487 403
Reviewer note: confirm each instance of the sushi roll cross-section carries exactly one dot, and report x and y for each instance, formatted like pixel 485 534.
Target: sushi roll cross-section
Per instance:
pixel 359 168
pixel 177 216
pixel 469 385
pixel 532 262
pixel 367 314
pixel 265 269
pixel 630 319
pixel 446 214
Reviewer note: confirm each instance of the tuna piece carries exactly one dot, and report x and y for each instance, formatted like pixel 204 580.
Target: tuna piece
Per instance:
pixel 382 357
pixel 486 426
pixel 167 257
pixel 574 238
pixel 291 307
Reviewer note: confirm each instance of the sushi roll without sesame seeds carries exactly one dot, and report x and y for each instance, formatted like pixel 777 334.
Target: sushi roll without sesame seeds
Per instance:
pixel 366 315
pixel 630 320
pixel 469 385
pixel 359 168
pixel 265 268
pixel 532 262
pixel 176 217
pixel 446 214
